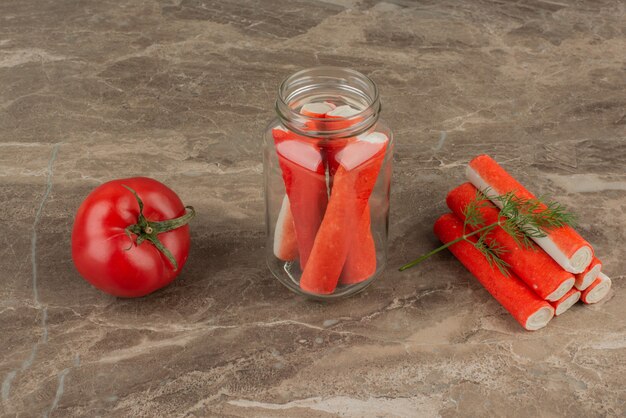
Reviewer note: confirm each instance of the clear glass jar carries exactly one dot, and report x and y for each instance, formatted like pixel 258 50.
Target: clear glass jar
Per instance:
pixel 327 168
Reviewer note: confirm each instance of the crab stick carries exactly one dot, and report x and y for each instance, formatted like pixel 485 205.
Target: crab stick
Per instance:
pixel 285 241
pixel 563 244
pixel 344 111
pixel 360 262
pixel 334 145
pixel 597 290
pixel 584 279
pixel 335 119
pixel 316 109
pixel 337 144
pixel 567 301
pixel 305 183
pixel 532 265
pixel 359 164
pixel 525 306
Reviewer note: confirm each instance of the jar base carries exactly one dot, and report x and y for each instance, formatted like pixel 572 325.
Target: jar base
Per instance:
pixel 288 273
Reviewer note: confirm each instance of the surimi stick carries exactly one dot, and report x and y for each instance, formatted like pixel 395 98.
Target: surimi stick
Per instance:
pixel 527 308
pixel 337 144
pixel 532 265
pixel 305 183
pixel 341 117
pixel 584 279
pixel 285 241
pixel 344 111
pixel 359 165
pixel 597 290
pixel 360 262
pixel 563 244
pixel 566 302
pixel 316 109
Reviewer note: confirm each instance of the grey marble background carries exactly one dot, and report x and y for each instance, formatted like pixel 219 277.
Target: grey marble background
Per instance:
pixel 181 90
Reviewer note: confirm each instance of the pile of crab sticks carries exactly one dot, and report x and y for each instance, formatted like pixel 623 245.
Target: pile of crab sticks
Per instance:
pixel 324 220
pixel 545 279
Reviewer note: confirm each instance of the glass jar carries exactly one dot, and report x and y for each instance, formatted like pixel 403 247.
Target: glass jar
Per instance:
pixel 327 169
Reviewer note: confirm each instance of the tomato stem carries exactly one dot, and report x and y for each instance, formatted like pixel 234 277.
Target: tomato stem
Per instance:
pixel 146 230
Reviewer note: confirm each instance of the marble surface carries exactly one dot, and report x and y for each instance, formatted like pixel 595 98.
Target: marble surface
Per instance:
pixel 180 90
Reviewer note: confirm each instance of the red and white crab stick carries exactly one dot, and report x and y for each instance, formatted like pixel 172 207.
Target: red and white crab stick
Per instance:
pixel 285 240
pixel 316 109
pixel 532 265
pixel 360 262
pixel 305 183
pixel 591 273
pixel 525 306
pixel 566 302
pixel 359 164
pixel 597 290
pixel 563 244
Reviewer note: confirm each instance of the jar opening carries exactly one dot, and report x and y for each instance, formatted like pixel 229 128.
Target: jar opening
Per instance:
pixel 334 85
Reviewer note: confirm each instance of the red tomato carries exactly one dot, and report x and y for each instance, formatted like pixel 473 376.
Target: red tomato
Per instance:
pixel 130 266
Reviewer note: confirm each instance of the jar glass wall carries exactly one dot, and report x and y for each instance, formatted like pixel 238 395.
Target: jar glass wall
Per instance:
pixel 327 172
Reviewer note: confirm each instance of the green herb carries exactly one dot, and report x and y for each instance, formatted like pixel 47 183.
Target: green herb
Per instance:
pixel 522 219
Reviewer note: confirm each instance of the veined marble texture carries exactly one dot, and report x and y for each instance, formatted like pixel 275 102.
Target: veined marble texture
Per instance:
pixel 181 91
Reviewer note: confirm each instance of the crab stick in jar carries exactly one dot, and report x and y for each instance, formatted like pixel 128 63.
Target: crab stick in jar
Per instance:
pixel 532 265
pixel 304 175
pixel 524 305
pixel 316 109
pixel 360 262
pixel 597 290
pixel 359 164
pixel 564 244
pixel 285 239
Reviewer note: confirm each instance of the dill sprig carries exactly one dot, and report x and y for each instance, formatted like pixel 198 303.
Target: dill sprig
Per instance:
pixel 523 219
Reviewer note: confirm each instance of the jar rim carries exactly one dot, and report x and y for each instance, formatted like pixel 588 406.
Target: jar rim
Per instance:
pixel 347 79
